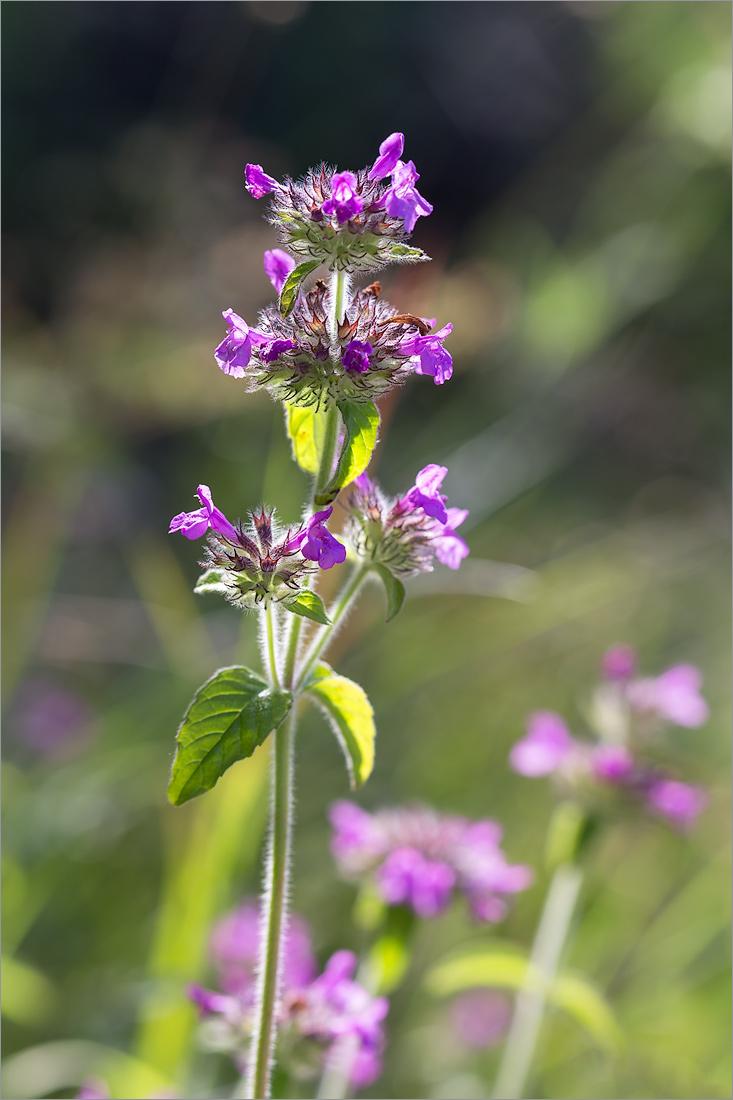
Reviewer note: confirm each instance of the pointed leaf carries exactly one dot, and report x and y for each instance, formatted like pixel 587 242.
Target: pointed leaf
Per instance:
pixel 405 253
pixel 308 604
pixel 307 429
pixel 501 968
pixel 352 719
pixel 292 285
pixel 361 423
pixel 394 589
pixel 212 580
pixel 581 1000
pixel 229 716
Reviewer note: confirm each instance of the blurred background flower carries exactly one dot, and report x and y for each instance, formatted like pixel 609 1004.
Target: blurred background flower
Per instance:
pixel 577 159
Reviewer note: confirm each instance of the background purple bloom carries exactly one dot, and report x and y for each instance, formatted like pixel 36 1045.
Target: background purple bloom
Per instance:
pixel 546 746
pixel 480 1017
pixel 619 663
pixel 674 695
pixel 612 763
pixel 234 950
pixel 680 803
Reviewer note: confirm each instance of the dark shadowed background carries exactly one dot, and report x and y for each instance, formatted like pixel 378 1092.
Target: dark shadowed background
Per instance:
pixel 577 156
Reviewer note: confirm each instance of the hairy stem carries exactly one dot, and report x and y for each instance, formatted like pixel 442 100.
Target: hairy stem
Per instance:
pixel 274 916
pixel 343 603
pixel 550 938
pixel 271 647
pixel 339 291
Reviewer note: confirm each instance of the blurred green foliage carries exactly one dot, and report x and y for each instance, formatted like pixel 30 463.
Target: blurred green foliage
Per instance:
pixel 578 158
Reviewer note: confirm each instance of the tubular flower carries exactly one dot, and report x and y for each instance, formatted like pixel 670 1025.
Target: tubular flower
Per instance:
pixel 345 202
pixel 403 200
pixel 617 759
pixel 258 183
pixel 278 266
pixel 390 152
pixel 256 565
pixel 297 360
pixel 406 534
pixel 420 859
pixel 329 1009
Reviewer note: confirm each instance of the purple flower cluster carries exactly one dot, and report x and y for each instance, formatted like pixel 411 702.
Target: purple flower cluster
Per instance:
pixel 618 759
pixel 330 1008
pixel 347 219
pixel 299 360
pixel 256 565
pixel 407 533
pixel 419 858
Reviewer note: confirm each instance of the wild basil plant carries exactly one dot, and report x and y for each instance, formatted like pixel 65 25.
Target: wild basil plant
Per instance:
pixel 326 352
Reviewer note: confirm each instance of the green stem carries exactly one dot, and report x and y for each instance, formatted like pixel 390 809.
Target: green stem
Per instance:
pixel 344 601
pixel 275 916
pixel 271 650
pixel 552 933
pixel 339 290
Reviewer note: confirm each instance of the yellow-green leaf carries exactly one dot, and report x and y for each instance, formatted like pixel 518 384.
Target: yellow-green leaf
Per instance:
pixel 480 966
pixel 361 423
pixel 351 716
pixel 292 285
pixel 307 429
pixel 580 999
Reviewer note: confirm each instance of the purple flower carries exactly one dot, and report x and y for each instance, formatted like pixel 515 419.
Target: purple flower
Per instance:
pixel 345 202
pixel 431 356
pixel 426 494
pixel 480 1017
pixel 675 696
pixel 235 351
pixel 235 952
pixel 258 183
pixel 93 1090
pixel 318 544
pixel 403 200
pixel 546 746
pixel 275 349
pixel 612 763
pixel 407 878
pixel 450 548
pixel 390 152
pixel 50 718
pixel 278 265
pixel 195 524
pixel 212 1003
pixel 355 356
pixel 419 858
pixel 679 802
pixel 619 663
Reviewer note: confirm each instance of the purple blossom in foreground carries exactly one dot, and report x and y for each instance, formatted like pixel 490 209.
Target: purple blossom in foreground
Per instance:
pixel 278 265
pixel 344 202
pixel 235 351
pixel 421 859
pixel 195 524
pixel 618 758
pixel 408 533
pixel 318 544
pixel 355 356
pixel 331 1009
pixel 258 183
pixel 390 152
pixel 429 354
pixel 403 200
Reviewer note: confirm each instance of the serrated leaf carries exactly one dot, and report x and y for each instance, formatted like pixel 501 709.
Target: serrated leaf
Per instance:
pixel 580 999
pixel 361 423
pixel 309 604
pixel 212 580
pixel 394 589
pixel 292 285
pixel 229 716
pixel 307 430
pixel 351 716
pixel 480 966
pixel 405 253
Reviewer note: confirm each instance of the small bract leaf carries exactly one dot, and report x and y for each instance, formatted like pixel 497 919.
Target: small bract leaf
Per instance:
pixel 351 716
pixel 291 286
pixel 361 423
pixel 406 254
pixel 504 969
pixel 306 429
pixel 581 1000
pixel 229 716
pixel 394 588
pixel 309 604
pixel 211 581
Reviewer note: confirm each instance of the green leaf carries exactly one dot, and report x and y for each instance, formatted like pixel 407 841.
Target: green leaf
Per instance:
pixel 361 423
pixel 291 286
pixel 230 715
pixel 386 964
pixel 307 429
pixel 394 588
pixel 352 719
pixel 479 966
pixel 405 253
pixel 308 604
pixel 212 580
pixel 581 1000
